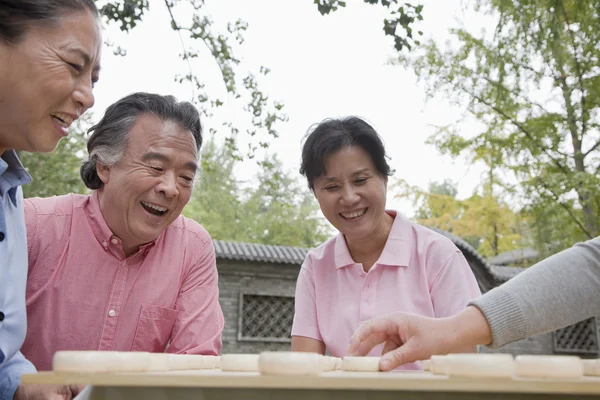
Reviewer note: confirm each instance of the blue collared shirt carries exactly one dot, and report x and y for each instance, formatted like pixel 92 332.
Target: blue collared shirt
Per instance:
pixel 13 274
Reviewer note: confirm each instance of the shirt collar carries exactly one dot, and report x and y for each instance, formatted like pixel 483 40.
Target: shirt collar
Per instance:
pixel 98 224
pixel 397 249
pixel 12 175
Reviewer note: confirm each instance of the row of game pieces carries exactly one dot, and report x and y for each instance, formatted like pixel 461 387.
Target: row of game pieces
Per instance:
pixel 272 363
pixel 507 366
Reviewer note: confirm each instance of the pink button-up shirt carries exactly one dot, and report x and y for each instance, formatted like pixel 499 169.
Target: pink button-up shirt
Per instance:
pixel 419 272
pixel 84 294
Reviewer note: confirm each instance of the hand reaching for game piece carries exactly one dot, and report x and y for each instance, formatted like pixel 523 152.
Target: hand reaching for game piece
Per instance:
pixel 408 338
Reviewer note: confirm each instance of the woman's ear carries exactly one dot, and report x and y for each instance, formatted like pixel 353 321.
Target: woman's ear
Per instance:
pixel 103 172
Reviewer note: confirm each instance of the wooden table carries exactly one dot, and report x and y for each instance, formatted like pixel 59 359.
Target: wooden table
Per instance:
pixel 337 385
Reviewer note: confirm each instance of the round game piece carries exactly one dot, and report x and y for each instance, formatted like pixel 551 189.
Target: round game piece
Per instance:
pixel 544 366
pixel 330 363
pixel 436 365
pixel 85 361
pixel 195 361
pixel 210 362
pixel 480 365
pixel 158 362
pixel 239 362
pixel 366 364
pixel 591 367
pixel 338 364
pixel 132 361
pixel 178 362
pixel 291 363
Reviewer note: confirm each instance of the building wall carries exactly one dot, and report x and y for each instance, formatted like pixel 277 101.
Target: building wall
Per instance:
pixel 254 278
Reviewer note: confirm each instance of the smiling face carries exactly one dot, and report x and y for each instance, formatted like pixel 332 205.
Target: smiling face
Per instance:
pixel 352 193
pixel 147 190
pixel 46 81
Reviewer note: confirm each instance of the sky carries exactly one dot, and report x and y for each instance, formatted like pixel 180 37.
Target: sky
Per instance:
pixel 321 67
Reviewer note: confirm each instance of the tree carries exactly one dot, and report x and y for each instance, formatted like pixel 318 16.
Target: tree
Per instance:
pixel 483 220
pixel 192 22
pixel 273 209
pixel 398 25
pixel 281 210
pixel 215 201
pixel 57 173
pixel 534 84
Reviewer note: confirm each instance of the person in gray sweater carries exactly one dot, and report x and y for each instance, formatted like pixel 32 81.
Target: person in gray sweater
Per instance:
pixel 556 292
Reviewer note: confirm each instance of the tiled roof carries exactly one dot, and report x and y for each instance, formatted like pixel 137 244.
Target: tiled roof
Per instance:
pixel 505 272
pixel 227 250
pixel 515 256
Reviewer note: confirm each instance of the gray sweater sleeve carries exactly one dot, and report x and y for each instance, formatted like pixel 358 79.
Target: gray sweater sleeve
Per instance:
pixel 556 292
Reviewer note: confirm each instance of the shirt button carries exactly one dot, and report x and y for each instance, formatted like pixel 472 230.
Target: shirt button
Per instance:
pixel 1 236
pixel 112 313
pixel 1 316
pixel 114 241
pixel 104 244
pixel 366 304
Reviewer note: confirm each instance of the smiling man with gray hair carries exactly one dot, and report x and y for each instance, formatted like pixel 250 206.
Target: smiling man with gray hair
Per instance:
pixel 121 268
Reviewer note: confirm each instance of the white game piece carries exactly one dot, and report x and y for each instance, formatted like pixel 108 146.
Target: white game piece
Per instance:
pixel 330 363
pixel 545 366
pixel 367 364
pixel 291 363
pixel 480 365
pixel 338 363
pixel 158 362
pixel 178 362
pixel 436 365
pixel 84 361
pixel 591 367
pixel 195 361
pixel 132 361
pixel 239 362
pixel 323 362
pixel 426 364
pixel 210 362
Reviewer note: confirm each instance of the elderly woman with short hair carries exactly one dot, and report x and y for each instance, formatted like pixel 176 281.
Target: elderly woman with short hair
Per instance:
pixel 379 262
pixel 49 62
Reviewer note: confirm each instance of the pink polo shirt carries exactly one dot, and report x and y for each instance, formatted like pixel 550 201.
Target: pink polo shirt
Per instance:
pixel 419 272
pixel 83 294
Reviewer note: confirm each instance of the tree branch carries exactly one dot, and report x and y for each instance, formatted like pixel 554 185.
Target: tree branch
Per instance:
pixel 521 128
pixel 577 70
pixel 514 92
pixel 594 147
pixel 185 53
pixel 567 209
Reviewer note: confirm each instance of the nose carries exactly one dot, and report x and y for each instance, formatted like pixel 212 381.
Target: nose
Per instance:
pixel 84 96
pixel 349 195
pixel 168 186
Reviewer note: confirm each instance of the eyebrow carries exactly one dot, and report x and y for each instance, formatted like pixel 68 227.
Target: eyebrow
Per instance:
pixel 332 179
pixel 192 166
pixel 86 57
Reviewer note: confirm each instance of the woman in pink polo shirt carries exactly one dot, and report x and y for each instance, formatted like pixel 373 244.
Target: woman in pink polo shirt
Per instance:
pixel 379 262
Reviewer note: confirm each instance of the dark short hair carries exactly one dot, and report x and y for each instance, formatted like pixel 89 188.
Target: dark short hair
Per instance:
pixel 17 16
pixel 110 136
pixel 333 135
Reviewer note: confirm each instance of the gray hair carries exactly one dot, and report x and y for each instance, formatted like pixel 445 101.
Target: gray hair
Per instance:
pixel 110 136
pixel 17 16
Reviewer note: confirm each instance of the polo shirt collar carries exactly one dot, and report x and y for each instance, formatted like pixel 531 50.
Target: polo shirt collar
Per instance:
pixel 397 249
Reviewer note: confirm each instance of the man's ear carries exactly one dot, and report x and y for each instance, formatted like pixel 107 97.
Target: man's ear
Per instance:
pixel 103 172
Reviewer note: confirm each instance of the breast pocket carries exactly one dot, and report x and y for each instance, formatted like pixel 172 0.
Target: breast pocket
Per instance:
pixel 154 328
